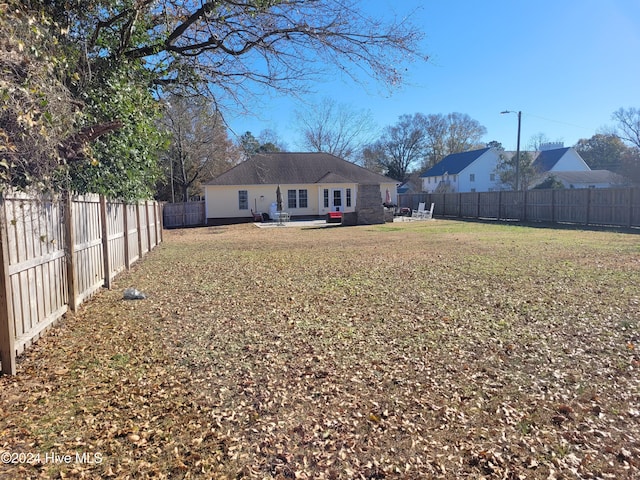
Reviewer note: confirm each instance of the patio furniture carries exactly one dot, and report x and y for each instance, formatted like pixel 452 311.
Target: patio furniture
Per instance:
pixel 421 213
pixel 334 217
pixel 282 216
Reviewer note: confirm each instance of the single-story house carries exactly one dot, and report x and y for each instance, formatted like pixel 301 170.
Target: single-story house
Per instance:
pixel 475 170
pixel 586 179
pixel 311 186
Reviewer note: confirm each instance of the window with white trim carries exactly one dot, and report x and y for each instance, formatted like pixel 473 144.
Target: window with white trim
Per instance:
pixel 292 201
pixel 303 198
pixel 243 199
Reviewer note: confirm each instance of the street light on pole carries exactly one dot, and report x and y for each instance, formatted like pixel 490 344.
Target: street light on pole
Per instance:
pixel 517 147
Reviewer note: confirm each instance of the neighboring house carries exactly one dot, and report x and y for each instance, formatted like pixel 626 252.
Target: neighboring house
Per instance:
pixel 475 171
pixel 472 171
pixel 311 185
pixel 588 179
pixel 560 160
pixel 410 186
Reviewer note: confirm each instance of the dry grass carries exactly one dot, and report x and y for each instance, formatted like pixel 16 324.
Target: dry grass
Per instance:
pixel 419 350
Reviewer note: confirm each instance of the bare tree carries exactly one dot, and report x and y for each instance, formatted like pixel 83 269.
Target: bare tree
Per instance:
pixel 402 145
pixel 451 133
pixel 537 140
pixel 628 125
pixel 228 47
pixel 463 133
pixel 423 140
pixel 199 146
pixel 335 128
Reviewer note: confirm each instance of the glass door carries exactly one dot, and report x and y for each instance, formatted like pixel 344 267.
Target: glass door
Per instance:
pixel 336 200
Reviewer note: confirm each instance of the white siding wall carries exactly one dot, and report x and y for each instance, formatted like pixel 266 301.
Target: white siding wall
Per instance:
pixel 481 169
pixel 393 191
pixel 222 201
pixel 429 184
pixel 570 162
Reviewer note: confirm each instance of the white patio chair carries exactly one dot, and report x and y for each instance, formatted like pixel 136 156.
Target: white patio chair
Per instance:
pixel 428 214
pixel 421 213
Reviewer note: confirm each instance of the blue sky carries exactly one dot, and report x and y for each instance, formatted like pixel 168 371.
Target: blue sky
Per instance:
pixel 566 64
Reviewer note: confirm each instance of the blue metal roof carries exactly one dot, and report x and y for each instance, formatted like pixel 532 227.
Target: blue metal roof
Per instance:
pixel 548 158
pixel 453 164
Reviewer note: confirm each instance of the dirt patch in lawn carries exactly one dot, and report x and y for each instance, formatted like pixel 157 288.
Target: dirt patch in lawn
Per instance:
pixel 419 350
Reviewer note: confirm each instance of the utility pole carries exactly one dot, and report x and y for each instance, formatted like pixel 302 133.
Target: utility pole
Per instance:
pixel 517 148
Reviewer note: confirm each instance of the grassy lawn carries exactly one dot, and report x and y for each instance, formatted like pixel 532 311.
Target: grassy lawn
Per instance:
pixel 415 350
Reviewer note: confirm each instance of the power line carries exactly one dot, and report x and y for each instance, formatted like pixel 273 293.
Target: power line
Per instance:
pixel 556 121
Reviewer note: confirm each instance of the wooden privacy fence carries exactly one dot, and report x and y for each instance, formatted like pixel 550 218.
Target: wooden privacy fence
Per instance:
pixel 616 207
pixel 188 214
pixel 57 253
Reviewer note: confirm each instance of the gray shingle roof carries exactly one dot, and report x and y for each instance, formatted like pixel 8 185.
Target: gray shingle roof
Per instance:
pixel 453 164
pixel 297 168
pixel 591 176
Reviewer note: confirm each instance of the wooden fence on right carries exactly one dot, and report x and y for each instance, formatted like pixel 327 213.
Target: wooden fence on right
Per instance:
pixel 614 207
pixel 56 253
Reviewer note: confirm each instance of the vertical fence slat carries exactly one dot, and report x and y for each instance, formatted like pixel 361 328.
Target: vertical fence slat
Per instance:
pixel 127 259
pixel 148 222
pixel 139 230
pixel 72 267
pixel 106 258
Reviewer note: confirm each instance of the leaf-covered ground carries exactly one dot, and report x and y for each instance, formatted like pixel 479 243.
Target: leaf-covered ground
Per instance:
pixel 416 350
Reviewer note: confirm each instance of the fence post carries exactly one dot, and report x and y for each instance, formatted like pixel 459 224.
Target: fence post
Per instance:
pixel 70 242
pixel 160 219
pixel 105 242
pixel 630 222
pixel 478 205
pixel 499 204
pixel 524 205
pixel 553 206
pixel 154 208
pixel 459 205
pixel 7 328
